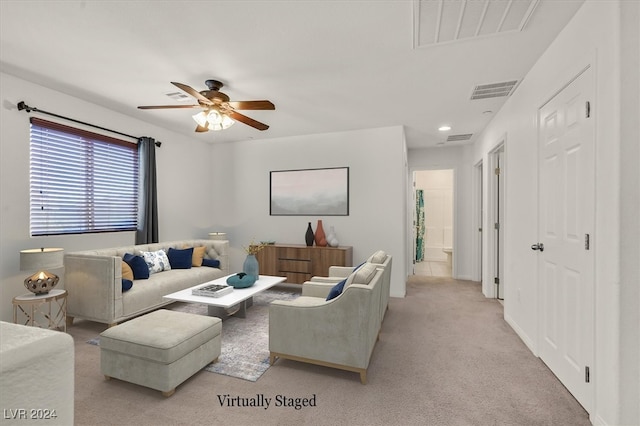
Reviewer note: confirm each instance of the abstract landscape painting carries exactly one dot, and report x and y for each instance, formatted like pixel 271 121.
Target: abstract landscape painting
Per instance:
pixel 310 192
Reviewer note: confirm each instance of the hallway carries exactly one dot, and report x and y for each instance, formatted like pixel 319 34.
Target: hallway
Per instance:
pixel 432 269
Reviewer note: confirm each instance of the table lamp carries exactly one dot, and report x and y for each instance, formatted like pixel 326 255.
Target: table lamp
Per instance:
pixel 40 260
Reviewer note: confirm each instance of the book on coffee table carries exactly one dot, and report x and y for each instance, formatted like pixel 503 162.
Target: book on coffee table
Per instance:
pixel 212 290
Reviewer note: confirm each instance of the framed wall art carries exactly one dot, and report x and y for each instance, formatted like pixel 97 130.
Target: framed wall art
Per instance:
pixel 310 192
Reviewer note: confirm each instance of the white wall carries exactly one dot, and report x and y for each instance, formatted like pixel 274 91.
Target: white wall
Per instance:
pixel 184 187
pixel 376 220
pixel 457 158
pixel 592 37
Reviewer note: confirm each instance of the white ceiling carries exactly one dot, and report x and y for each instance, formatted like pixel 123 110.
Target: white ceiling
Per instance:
pixel 327 65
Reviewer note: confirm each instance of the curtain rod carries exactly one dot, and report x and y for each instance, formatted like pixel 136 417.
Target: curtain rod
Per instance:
pixel 23 106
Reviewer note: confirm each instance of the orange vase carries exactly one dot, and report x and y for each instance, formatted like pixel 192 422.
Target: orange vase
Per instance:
pixel 320 237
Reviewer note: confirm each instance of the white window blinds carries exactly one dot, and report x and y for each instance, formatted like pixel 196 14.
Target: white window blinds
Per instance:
pixel 81 182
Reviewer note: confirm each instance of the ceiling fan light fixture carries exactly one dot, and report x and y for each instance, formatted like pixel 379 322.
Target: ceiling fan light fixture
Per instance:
pixel 213 120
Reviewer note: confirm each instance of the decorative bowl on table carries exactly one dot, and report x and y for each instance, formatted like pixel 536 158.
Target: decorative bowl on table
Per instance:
pixel 241 280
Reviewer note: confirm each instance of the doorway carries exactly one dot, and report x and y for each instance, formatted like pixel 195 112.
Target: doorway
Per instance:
pixel 496 283
pixel 434 223
pixel 478 220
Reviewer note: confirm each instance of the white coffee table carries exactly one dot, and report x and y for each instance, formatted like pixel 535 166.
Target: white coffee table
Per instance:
pixel 234 303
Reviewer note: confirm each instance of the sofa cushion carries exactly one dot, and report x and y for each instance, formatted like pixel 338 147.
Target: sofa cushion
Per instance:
pixel 127 272
pixel 336 290
pixel 157 261
pixel 198 256
pixel 138 266
pixel 149 293
pixel 180 259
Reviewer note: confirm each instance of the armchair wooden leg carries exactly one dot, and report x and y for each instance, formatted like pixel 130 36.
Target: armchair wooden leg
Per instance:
pixel 272 359
pixel 69 321
pixel 363 377
pixel 167 394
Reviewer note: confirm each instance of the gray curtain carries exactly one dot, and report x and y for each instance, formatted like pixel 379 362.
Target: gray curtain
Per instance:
pixel 147 192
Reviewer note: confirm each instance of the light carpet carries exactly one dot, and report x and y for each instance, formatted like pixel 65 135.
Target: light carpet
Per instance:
pixel 245 341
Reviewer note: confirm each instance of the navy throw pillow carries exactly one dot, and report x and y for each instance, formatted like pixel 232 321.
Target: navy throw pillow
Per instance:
pixel 138 266
pixel 212 263
pixel 336 290
pixel 126 285
pixel 180 259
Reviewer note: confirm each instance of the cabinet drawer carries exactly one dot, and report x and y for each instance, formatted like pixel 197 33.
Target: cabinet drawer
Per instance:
pixel 294 265
pixel 296 278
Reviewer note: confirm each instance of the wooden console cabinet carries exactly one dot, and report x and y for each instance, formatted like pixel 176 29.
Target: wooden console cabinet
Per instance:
pixel 298 263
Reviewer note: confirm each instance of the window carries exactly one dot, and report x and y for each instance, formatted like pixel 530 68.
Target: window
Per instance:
pixel 81 182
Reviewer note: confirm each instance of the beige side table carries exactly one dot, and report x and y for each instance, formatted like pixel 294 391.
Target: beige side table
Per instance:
pixel 50 307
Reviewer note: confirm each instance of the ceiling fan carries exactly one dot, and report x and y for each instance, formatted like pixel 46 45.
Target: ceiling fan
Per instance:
pixel 218 111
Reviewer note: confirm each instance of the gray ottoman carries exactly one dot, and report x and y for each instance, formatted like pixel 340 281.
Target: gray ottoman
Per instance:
pixel 161 349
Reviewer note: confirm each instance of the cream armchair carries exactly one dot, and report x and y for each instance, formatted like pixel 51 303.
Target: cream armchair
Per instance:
pixel 339 333
pixel 337 273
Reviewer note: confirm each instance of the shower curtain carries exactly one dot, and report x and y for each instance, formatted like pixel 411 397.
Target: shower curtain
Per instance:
pixel 419 225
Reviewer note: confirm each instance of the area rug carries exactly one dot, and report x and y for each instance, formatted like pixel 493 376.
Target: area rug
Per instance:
pixel 245 341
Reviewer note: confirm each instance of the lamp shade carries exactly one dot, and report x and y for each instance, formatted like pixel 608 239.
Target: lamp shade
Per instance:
pixel 41 259
pixel 213 119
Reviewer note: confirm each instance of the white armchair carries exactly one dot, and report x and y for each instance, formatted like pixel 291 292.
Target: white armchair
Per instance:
pixel 339 333
pixel 337 273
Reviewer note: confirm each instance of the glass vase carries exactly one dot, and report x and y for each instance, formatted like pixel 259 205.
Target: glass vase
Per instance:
pixel 251 266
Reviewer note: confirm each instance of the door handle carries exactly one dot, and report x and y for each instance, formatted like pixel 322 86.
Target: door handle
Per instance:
pixel 538 246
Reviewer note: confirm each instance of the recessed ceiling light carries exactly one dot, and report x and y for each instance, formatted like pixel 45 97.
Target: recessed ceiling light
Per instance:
pixel 444 128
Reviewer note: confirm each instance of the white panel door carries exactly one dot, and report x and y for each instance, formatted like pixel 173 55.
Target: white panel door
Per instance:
pixel 566 216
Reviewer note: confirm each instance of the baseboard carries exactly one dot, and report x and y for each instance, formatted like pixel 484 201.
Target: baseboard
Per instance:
pixel 523 336
pixel 464 277
pixel 598 421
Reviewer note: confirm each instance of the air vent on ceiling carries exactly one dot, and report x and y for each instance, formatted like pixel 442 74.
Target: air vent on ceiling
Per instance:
pixel 459 138
pixel 493 90
pixel 179 96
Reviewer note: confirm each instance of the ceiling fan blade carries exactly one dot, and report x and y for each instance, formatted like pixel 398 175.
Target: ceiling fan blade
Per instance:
pixel 201 129
pixel 252 105
pixel 193 92
pixel 248 121
pixel 168 106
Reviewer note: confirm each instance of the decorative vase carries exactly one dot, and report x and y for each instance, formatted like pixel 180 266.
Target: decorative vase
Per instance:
pixel 332 240
pixel 308 236
pixel 251 266
pixel 320 237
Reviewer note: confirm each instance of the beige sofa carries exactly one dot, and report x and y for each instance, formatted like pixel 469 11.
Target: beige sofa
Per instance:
pixel 93 279
pixel 339 333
